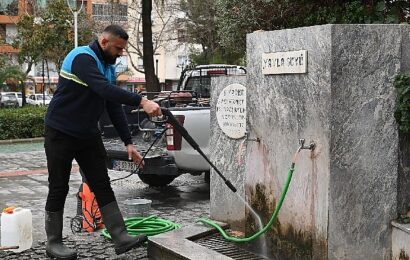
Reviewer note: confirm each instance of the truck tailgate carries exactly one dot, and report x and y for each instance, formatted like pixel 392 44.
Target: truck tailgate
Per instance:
pixel 197 123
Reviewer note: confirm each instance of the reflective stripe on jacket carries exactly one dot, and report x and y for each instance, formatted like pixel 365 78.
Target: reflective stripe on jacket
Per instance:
pixel 107 70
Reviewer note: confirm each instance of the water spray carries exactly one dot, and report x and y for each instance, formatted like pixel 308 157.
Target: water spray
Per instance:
pixel 278 205
pixel 174 122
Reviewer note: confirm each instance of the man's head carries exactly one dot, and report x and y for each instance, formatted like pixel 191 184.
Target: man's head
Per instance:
pixel 113 40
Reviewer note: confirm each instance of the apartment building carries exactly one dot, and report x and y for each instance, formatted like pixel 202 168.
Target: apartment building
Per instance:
pixel 110 11
pixel 171 50
pixel 10 13
pixel 105 12
pixel 169 39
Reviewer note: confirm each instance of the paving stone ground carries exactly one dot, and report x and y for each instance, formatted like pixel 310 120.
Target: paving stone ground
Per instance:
pixel 23 182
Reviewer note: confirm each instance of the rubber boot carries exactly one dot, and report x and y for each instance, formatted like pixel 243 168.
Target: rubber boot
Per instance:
pixel 54 229
pixel 115 225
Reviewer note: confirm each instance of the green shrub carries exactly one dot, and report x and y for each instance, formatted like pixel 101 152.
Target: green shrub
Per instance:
pixel 26 122
pixel 402 114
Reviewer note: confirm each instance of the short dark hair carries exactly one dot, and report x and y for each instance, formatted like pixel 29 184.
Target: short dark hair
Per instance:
pixel 116 30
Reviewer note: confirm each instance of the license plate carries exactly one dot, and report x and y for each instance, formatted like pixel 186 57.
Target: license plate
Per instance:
pixel 124 166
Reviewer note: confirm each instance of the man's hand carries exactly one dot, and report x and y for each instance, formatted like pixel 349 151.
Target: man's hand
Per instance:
pixel 150 107
pixel 134 155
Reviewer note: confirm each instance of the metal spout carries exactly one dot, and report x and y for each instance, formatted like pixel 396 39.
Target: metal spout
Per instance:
pixel 311 146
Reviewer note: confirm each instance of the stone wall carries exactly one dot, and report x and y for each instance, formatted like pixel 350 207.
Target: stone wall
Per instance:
pixel 364 143
pixel 404 155
pixel 344 194
pixel 282 109
pixel 226 154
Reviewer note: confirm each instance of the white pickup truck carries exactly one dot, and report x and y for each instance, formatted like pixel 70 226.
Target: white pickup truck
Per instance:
pixel 190 106
pixel 197 123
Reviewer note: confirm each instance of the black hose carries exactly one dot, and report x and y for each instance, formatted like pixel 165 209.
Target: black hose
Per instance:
pixel 143 157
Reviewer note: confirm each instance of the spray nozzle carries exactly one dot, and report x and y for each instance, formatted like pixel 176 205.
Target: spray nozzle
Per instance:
pixel 311 146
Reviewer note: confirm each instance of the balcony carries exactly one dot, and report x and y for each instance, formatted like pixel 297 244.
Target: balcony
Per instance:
pixel 111 18
pixel 9 7
pixel 113 12
pixel 5 48
pixel 6 19
pixel 10 10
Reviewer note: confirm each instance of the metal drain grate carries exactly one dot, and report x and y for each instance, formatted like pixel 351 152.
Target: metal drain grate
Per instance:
pixel 217 243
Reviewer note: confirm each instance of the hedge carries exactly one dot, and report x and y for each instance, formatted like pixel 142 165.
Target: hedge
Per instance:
pixel 25 122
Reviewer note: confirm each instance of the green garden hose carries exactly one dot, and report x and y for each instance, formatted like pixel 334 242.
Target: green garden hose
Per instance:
pixel 153 225
pixel 270 223
pixel 149 226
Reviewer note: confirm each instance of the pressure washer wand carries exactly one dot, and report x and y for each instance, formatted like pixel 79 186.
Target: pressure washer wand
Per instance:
pixel 174 122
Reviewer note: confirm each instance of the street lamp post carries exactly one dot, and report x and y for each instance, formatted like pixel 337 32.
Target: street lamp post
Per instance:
pixel 44 83
pixel 75 12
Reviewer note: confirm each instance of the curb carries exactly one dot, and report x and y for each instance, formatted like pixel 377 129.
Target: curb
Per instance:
pixel 26 140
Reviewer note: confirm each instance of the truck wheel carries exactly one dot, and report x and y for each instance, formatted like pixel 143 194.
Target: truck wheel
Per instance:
pixel 156 180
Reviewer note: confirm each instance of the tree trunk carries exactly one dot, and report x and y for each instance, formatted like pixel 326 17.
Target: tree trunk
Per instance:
pixel 23 88
pixel 151 80
pixel 23 94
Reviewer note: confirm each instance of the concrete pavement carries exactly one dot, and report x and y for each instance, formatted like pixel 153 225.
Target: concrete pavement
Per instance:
pixel 23 183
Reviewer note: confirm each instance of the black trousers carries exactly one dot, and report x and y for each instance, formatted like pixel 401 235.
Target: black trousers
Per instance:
pixel 90 155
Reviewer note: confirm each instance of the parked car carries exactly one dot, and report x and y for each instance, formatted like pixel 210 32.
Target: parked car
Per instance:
pixel 38 100
pixel 8 100
pixel 18 96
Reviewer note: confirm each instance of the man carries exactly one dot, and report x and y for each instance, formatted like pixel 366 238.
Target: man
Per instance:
pixel 85 88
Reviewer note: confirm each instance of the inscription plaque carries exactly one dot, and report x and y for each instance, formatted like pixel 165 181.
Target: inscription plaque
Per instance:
pixel 231 111
pixel 289 62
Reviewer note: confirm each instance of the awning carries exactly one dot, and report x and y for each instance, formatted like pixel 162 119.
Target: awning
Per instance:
pixel 40 79
pixel 130 79
pixel 122 77
pixel 136 80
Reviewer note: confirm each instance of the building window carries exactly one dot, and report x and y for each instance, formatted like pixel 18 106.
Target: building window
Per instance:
pixel 52 70
pixel 182 61
pixel 140 64
pixel 41 4
pixel 9 7
pixel 3 34
pixel 121 64
pixel 181 35
pixel 75 4
pixel 110 12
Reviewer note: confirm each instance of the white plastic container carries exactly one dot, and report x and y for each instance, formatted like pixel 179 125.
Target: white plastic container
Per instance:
pixel 16 229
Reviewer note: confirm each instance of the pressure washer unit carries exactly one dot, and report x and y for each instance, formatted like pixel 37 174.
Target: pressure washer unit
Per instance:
pixel 88 216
